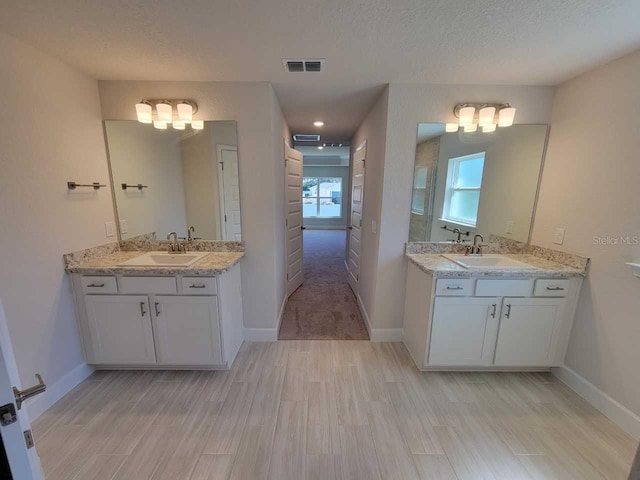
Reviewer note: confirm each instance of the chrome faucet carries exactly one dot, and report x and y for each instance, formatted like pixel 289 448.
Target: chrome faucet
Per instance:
pixel 476 248
pixel 459 233
pixel 174 246
pixel 191 230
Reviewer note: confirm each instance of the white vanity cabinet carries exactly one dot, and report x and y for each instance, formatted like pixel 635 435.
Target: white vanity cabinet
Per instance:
pixel 488 323
pixel 160 321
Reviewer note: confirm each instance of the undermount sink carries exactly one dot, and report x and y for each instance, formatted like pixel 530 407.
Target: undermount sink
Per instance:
pixel 165 259
pixel 489 261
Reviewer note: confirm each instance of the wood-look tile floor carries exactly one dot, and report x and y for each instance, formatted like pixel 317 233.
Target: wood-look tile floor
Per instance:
pixel 324 410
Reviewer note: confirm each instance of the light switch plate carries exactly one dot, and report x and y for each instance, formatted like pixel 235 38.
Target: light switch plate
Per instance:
pixel 123 226
pixel 558 236
pixel 510 226
pixel 109 229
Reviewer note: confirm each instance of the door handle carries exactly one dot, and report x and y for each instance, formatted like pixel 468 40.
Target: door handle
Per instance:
pixel 27 393
pixel 508 314
pixel 350 227
pixel 457 287
pixel 303 228
pixel 100 285
pixel 493 311
pixel 555 289
pixel 157 309
pixel 143 312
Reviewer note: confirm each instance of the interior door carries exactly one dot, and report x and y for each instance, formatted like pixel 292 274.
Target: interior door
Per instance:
pixel 229 192
pixel 293 217
pixel 23 462
pixel 355 228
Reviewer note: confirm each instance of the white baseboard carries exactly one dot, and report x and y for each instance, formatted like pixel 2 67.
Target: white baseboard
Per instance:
pixel 386 334
pixel 260 334
pixel 618 413
pixel 55 391
pixel 379 334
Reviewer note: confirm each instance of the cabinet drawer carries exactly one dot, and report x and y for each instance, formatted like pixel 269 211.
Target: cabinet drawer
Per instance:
pixel 99 285
pixel 199 286
pixel 504 288
pixel 459 287
pixel 551 288
pixel 146 285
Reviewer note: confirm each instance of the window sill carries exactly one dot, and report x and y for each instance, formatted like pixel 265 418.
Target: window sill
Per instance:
pixel 458 223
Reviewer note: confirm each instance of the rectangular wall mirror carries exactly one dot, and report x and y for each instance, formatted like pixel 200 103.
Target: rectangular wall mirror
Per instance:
pixel 476 182
pixel 169 180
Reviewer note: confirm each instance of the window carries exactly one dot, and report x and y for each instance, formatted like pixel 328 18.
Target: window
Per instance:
pixel 419 189
pixel 462 195
pixel 322 197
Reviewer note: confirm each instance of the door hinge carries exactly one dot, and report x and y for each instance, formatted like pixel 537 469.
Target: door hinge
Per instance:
pixel 286 222
pixel 286 163
pixel 28 439
pixel 225 217
pixel 357 276
pixel 287 276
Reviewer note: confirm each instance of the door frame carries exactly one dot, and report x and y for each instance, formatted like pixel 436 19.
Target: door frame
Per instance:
pixel 24 462
pixel 219 148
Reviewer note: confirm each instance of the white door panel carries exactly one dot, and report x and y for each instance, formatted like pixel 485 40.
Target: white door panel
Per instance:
pixel 293 212
pixel 229 184
pixel 357 198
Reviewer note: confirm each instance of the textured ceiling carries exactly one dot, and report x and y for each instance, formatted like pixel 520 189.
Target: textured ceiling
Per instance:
pixel 366 43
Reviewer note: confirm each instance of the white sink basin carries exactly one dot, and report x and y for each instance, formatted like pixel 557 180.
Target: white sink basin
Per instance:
pixel 164 259
pixel 488 262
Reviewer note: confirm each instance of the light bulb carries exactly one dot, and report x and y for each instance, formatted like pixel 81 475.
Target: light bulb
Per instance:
pixel 144 112
pixel 491 127
pixel 318 123
pixel 465 116
pixel 197 124
pixel 178 125
pixel 185 112
pixel 160 125
pixel 165 112
pixel 451 127
pixel 471 128
pixel 320 147
pixel 486 114
pixel 506 116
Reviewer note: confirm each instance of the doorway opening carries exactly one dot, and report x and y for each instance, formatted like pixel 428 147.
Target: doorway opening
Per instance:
pixel 324 306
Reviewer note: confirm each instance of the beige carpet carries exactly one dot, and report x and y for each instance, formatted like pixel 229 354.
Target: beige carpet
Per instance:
pixel 324 307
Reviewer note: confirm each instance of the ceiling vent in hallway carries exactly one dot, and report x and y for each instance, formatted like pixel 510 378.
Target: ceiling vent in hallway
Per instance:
pixel 301 65
pixel 306 138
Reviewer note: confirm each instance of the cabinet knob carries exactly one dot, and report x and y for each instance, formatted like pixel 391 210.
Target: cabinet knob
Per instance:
pixel 143 312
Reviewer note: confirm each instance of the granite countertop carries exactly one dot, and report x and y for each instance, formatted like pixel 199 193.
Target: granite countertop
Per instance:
pixel 214 263
pixel 440 267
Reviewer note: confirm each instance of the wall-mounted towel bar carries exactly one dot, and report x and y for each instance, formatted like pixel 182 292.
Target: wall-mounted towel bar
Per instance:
pixel 94 185
pixel 139 186
pixel 455 230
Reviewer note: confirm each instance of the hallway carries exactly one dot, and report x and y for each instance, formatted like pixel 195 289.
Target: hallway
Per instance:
pixel 324 307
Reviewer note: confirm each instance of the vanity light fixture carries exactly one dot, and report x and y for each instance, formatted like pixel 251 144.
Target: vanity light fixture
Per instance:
pixel 144 112
pixel 318 123
pixel 164 111
pixel 185 112
pixel 168 111
pixel 465 112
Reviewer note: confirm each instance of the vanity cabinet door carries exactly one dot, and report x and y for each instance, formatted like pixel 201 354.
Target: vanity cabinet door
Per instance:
pixel 187 330
pixel 464 331
pixel 526 334
pixel 120 329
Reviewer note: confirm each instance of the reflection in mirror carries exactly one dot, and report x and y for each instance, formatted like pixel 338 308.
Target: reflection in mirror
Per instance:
pixel 468 183
pixel 175 179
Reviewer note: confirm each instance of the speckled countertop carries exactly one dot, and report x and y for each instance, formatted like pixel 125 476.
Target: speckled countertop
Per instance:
pixel 214 263
pixel 440 267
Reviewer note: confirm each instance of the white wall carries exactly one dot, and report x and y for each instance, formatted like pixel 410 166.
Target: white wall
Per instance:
pixel 408 105
pixel 332 171
pixel 373 130
pixel 590 187
pixel 50 132
pixel 260 125
pixel 141 154
pixel 511 173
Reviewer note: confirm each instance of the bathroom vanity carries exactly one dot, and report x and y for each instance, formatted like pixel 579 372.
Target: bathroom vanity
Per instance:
pixel 510 312
pixel 134 313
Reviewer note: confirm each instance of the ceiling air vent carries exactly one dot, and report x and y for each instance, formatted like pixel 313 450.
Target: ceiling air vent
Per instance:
pixel 306 138
pixel 301 65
